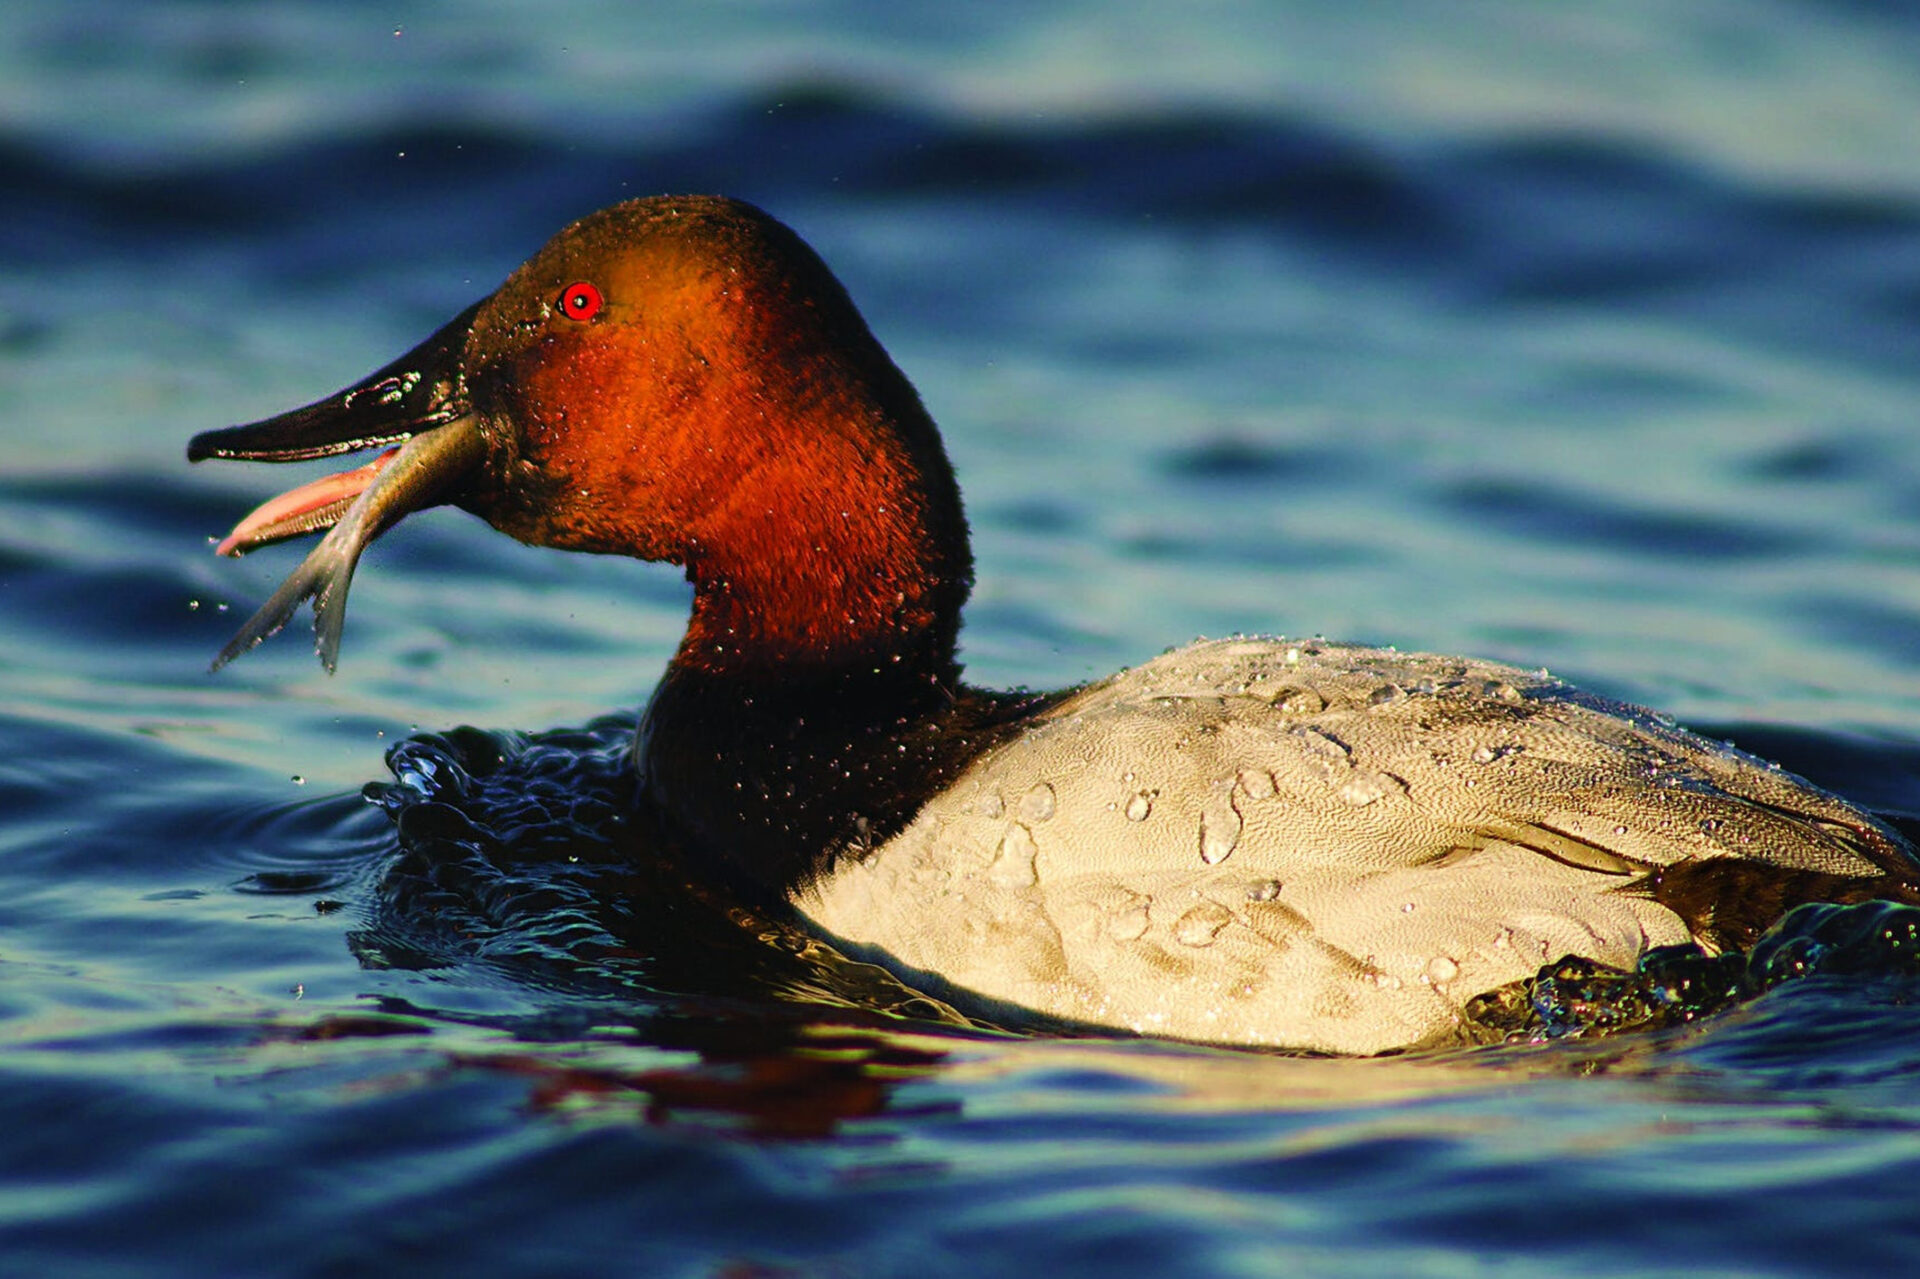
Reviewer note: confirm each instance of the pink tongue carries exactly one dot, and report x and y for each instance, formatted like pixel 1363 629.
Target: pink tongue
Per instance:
pixel 309 507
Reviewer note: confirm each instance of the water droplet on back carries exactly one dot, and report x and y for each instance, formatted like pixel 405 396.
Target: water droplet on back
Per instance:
pixel 1038 803
pixel 1363 788
pixel 1300 701
pixel 1199 926
pixel 1140 806
pixel 1219 825
pixel 1129 922
pixel 1255 783
pixel 1013 862
pixel 1386 695
pixel 1320 751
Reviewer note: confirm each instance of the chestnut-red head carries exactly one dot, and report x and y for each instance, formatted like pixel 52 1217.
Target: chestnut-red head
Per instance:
pixel 676 378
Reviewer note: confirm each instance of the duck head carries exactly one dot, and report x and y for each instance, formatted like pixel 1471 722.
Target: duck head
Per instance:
pixel 677 379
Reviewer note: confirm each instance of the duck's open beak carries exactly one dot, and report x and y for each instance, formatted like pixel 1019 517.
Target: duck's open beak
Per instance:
pixel 417 404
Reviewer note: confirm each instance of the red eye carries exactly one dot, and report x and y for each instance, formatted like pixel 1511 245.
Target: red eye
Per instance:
pixel 580 301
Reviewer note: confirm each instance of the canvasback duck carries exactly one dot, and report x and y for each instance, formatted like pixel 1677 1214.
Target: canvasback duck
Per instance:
pixel 1297 844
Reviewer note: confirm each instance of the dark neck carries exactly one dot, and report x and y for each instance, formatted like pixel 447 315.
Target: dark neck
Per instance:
pixel 767 784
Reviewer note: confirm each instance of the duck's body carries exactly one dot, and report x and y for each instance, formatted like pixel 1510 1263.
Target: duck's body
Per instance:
pixel 1329 847
pixel 1301 845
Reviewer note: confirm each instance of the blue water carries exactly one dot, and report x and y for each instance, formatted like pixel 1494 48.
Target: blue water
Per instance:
pixel 1582 339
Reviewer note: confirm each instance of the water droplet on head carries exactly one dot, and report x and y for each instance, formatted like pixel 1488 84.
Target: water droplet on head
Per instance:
pixel 1140 806
pixel 1263 890
pixel 1442 969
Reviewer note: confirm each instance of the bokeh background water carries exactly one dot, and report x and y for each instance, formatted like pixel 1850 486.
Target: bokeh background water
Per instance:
pixel 1587 338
